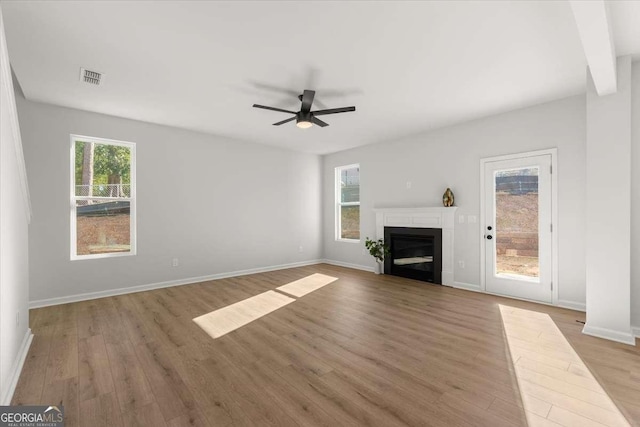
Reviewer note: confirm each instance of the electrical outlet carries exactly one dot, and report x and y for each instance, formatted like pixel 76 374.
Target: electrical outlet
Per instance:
pixel 472 219
pixel 300 249
pixel 175 262
pixel 461 264
pixel 461 219
pixel 408 185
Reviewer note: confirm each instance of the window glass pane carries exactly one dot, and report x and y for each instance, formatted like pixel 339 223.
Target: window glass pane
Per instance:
pixel 350 185
pixel 102 170
pixel 517 222
pixel 103 226
pixel 350 222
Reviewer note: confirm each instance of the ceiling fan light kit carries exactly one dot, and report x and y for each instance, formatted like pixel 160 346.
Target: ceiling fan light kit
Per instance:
pixel 305 118
pixel 303 124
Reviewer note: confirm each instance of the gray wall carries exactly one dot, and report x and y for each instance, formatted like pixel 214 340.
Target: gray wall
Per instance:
pixel 14 250
pixel 450 157
pixel 635 197
pixel 216 204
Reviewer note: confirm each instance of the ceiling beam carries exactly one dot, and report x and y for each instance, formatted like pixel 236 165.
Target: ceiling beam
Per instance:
pixel 596 33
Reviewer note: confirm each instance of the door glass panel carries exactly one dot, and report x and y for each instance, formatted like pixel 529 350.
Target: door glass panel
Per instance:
pixel 516 234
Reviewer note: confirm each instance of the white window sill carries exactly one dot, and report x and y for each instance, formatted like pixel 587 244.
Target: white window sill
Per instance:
pixel 105 255
pixel 348 240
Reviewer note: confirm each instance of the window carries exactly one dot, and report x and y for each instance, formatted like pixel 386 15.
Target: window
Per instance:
pixel 348 203
pixel 103 198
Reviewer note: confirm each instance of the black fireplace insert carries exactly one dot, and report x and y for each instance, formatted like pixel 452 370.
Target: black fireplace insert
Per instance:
pixel 416 253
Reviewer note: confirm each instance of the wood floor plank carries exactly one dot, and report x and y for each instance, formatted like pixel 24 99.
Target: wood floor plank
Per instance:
pixel 64 393
pixel 561 400
pixel 148 415
pixel 332 402
pixel 567 418
pixel 135 327
pixel 90 318
pixel 215 401
pixel 132 388
pixel 365 350
pixel 63 356
pixel 301 409
pixel 191 419
pixel 508 411
pixel 172 394
pixel 95 371
pixel 101 411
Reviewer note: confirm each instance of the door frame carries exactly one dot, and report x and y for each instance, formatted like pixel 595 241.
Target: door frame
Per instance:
pixel 553 152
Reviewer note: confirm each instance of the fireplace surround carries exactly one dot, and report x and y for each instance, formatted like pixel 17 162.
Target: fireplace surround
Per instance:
pixel 423 217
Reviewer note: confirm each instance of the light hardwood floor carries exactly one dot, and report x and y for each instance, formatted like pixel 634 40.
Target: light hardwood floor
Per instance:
pixel 364 350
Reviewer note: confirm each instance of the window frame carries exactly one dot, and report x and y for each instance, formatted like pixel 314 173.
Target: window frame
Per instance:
pixel 73 244
pixel 339 203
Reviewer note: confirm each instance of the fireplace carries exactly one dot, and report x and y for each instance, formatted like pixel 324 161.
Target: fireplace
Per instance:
pixel 416 253
pixel 438 220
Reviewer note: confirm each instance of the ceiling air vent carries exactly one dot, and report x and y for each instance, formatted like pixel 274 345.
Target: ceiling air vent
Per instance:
pixel 91 77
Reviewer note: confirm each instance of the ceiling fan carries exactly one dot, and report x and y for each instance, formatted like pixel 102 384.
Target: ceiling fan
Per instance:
pixel 305 118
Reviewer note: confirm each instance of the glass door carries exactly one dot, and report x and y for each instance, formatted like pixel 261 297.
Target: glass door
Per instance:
pixel 517 229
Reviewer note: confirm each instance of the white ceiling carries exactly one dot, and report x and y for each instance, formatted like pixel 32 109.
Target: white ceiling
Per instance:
pixel 407 66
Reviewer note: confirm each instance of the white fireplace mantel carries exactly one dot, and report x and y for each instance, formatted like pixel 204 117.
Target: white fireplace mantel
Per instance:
pixel 423 217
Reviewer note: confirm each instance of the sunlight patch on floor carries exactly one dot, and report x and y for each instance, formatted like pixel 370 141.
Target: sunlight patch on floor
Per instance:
pixel 227 319
pixel 300 288
pixel 555 385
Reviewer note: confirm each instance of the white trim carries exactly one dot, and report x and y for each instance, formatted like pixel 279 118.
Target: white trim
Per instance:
pixel 573 305
pixel 132 199
pixel 467 286
pixel 167 284
pixel 636 331
pixel 349 265
pixel 610 334
pixel 7 79
pixel 553 152
pixel 16 369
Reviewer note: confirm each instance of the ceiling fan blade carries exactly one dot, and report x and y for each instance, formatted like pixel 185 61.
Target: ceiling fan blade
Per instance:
pixel 333 111
pixel 307 100
pixel 319 122
pixel 264 107
pixel 284 121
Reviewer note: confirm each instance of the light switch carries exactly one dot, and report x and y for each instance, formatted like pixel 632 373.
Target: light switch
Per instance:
pixel 472 219
pixel 461 219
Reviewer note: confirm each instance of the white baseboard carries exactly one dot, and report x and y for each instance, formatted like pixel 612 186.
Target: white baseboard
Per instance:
pixel 573 305
pixel 167 284
pixel 636 331
pixel 349 265
pixel 610 334
pixel 16 369
pixel 467 286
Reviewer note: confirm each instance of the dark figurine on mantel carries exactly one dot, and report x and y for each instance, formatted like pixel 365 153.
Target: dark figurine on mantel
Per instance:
pixel 447 198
